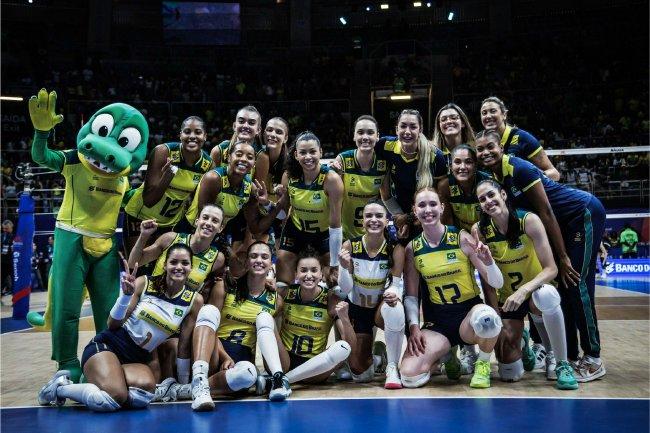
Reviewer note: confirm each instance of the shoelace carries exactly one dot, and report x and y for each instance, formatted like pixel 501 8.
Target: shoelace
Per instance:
pixel 277 380
pixel 483 368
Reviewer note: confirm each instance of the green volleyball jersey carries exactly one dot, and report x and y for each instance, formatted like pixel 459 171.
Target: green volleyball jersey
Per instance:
pixel 465 208
pixel 170 208
pixel 306 325
pixel 309 203
pixel 238 319
pixel 91 203
pixel 201 262
pixel 230 199
pixel 447 271
pixel 519 263
pixel 360 187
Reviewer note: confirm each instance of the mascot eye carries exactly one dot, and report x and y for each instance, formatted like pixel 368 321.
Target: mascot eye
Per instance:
pixel 102 125
pixel 130 139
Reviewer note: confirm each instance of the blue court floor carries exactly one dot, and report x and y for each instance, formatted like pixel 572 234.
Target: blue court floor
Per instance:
pixel 380 415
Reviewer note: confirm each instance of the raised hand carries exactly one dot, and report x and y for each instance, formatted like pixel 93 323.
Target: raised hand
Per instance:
pixel 342 310
pixel 168 169
pixel 42 111
pixel 482 251
pixel 148 227
pixel 261 194
pixel 345 259
pixel 127 281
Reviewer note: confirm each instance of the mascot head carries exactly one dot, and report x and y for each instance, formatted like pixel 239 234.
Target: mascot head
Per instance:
pixel 113 142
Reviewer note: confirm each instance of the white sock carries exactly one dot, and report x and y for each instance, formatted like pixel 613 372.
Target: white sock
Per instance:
pixel 200 368
pixel 543 333
pixel 555 332
pixel 321 363
pixel 393 331
pixel 483 356
pixel 90 395
pixel 267 342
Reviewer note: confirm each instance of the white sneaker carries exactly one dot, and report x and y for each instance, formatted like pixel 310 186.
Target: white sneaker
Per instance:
pixel 540 355
pixel 392 377
pixel 201 398
pixel 551 364
pixel 263 384
pixel 343 373
pixel 467 360
pixel 166 390
pixel 280 389
pixel 47 394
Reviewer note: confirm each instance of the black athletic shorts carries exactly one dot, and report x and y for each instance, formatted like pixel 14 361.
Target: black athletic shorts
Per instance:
pixel 362 318
pixel 518 314
pixel 295 241
pixel 120 343
pixel 238 352
pixel 446 319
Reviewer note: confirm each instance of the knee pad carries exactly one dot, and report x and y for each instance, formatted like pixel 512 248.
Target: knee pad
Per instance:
pixel 139 398
pixel 242 376
pixel 208 316
pixel 485 321
pixel 99 400
pixel 338 352
pixel 366 376
pixel 511 372
pixel 546 298
pixel 416 381
pixel 393 317
pixel 264 322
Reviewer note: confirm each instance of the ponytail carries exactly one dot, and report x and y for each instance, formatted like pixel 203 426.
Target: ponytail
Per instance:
pixel 423 174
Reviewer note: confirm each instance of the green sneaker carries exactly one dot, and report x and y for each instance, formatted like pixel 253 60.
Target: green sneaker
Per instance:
pixel 527 354
pixel 452 364
pixel 379 350
pixel 35 319
pixel 481 378
pixel 565 378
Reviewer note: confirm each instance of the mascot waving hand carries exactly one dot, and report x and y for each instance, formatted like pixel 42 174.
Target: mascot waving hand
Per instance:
pixel 112 144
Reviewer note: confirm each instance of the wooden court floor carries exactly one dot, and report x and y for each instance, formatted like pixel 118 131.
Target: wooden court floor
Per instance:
pixel 25 365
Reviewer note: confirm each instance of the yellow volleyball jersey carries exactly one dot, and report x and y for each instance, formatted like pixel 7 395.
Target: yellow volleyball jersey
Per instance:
pixel 360 187
pixel 518 264
pixel 306 325
pixel 230 199
pixel 201 262
pixel 238 319
pixel 170 208
pixel 447 271
pixel 466 209
pixel 91 203
pixel 309 203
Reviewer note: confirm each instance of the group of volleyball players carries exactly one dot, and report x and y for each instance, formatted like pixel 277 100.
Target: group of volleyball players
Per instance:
pixel 210 294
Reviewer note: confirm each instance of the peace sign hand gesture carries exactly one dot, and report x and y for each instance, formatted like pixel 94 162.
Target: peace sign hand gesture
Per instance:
pixel 127 280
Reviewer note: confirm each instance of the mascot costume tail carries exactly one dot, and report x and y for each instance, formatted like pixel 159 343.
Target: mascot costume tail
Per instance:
pixel 112 144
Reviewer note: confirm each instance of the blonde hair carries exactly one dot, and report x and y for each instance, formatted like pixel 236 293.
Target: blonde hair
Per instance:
pixel 423 172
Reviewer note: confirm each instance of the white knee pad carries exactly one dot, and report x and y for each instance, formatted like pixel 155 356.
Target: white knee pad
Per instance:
pixel 338 352
pixel 99 400
pixel 264 322
pixel 208 316
pixel 366 376
pixel 139 398
pixel 546 298
pixel 393 317
pixel 511 372
pixel 485 321
pixel 416 381
pixel 242 376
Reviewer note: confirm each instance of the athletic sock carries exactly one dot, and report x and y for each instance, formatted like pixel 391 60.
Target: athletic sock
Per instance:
pixel 484 356
pixel 394 341
pixel 538 322
pixel 553 324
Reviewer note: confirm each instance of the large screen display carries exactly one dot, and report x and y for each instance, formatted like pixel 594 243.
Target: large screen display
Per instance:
pixel 199 23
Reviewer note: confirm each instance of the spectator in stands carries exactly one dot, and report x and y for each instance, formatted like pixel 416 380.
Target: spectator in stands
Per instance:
pixel 7 260
pixel 629 240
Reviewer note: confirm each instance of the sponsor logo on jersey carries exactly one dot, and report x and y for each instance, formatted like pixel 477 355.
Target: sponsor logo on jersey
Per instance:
pixel 451 257
pixel 349 163
pixel 489 232
pixel 454 190
pixel 452 238
pixel 196 178
pixel 377 181
pixel 356 247
pixel 318 315
pixel 178 312
pixel 381 165
pixel 316 196
pixel 417 245
pixel 186 296
pixel 383 266
pixel 353 181
pixel 577 237
pixel 203 267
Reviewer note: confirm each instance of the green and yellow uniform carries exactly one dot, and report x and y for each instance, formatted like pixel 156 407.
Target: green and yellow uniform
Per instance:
pixel 309 203
pixel 238 319
pixel 519 263
pixel 306 325
pixel 465 208
pixel 201 262
pixel 225 152
pixel 170 208
pixel 360 187
pixel 230 199
pixel 447 271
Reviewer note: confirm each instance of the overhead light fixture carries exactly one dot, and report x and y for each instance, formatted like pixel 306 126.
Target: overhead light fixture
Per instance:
pixel 400 97
pixel 11 98
pixel 428 4
pixel 417 4
pixel 450 16
pixel 368 8
pixel 383 6
pixel 343 20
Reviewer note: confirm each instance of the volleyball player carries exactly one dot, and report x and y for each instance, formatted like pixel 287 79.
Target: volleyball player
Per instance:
pixel 173 172
pixel 315 194
pixel 575 242
pixel 362 173
pixel 412 163
pixel 370 276
pixel 276 136
pixel 451 128
pixel 445 257
pixel 521 250
pixel 115 361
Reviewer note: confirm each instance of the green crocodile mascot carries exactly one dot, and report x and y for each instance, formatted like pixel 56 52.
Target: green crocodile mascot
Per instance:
pixel 112 144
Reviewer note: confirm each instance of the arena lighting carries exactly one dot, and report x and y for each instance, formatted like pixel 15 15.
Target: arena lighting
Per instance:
pixel 428 4
pixel 417 4
pixel 368 8
pixel 450 16
pixel 383 6
pixel 400 97
pixel 11 98
pixel 343 20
